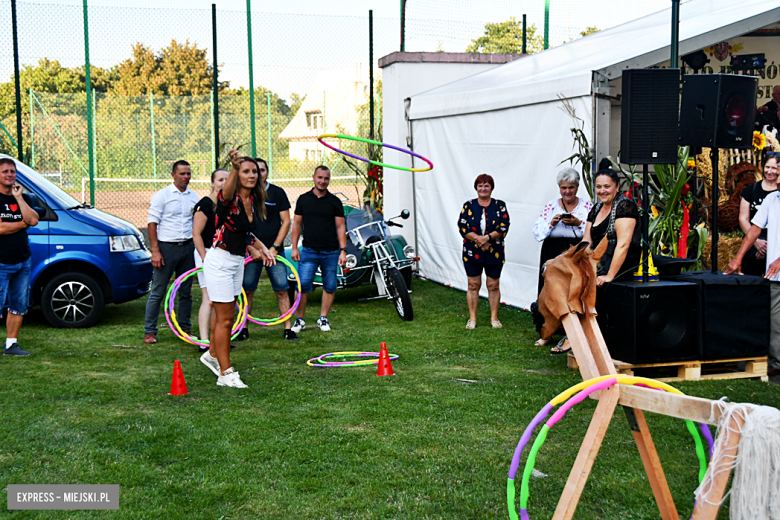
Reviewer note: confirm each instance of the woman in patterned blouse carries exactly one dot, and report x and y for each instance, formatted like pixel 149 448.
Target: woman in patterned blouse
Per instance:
pixel 483 224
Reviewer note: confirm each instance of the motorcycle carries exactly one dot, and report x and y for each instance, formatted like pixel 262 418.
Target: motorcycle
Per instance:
pixel 374 257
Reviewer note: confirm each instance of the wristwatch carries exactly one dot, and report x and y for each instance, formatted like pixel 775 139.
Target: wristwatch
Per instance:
pixel 277 247
pixel 343 249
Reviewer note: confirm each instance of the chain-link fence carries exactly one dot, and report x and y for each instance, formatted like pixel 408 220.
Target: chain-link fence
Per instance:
pixel 152 77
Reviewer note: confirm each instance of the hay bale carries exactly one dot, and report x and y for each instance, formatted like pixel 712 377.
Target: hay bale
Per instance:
pixel 727 250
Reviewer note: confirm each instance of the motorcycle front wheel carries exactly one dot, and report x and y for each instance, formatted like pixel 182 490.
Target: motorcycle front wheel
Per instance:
pixel 400 294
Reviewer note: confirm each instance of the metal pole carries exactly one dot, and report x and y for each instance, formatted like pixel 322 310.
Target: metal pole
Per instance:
pixel 524 34
pixel 32 131
pixel 270 143
pixel 213 142
pixel 715 155
pixel 546 24
pixel 371 74
pixel 17 85
pixel 324 129
pixel 215 87
pixel 403 25
pixel 645 224
pixel 251 78
pixel 154 143
pixel 94 130
pixel 675 47
pixel 90 136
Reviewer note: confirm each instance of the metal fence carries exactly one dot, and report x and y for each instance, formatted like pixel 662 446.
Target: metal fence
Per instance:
pixel 152 100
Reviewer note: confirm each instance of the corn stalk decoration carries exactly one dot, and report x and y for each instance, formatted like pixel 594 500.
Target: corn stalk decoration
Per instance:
pixel 671 232
pixel 584 154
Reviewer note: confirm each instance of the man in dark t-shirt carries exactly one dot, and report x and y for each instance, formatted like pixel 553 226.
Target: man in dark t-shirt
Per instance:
pixel 769 114
pixel 319 215
pixel 271 231
pixel 16 215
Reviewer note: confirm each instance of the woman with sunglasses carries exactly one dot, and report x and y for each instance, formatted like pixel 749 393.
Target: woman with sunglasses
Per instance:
pixel 753 195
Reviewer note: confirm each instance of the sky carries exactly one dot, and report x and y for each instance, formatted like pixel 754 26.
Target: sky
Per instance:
pixel 292 41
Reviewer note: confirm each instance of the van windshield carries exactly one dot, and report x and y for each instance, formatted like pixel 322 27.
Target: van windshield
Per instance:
pixel 51 189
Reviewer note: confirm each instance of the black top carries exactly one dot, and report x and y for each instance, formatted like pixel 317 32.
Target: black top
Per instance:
pixel 14 248
pixel 206 206
pixel 276 201
pixel 767 115
pixel 319 220
pixel 755 195
pixel 624 208
pixel 233 229
pixel 496 219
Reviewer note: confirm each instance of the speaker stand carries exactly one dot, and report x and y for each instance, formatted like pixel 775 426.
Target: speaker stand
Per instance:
pixel 714 158
pixel 594 360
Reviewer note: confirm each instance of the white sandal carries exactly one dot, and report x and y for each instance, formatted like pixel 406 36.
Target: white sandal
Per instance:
pixel 471 324
pixel 496 324
pixel 541 342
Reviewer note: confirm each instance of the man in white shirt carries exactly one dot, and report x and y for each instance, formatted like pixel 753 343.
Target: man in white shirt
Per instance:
pixel 170 238
pixel 767 217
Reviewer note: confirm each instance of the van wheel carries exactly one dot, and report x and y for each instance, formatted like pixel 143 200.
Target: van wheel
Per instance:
pixel 72 301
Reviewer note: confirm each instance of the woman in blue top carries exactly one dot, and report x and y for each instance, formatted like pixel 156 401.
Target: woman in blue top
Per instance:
pixel 483 224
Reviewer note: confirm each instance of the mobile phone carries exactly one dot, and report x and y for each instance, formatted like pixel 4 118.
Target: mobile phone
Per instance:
pixel 566 215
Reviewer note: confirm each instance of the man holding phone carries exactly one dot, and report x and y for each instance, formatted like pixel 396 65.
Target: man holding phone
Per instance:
pixel 16 215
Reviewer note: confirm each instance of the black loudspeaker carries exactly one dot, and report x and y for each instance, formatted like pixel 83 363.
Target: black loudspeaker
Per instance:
pixel 734 315
pixel 649 322
pixel 648 124
pixel 718 110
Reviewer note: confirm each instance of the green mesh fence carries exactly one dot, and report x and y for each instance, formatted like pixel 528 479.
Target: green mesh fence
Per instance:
pixel 151 70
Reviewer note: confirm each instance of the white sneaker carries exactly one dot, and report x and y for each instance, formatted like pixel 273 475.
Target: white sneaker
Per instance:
pixel 299 325
pixel 230 379
pixel 322 323
pixel 210 362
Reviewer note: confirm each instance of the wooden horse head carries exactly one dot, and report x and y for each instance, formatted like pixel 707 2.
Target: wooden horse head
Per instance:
pixel 569 285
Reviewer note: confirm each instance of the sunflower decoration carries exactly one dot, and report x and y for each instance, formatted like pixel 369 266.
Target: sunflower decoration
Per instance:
pixel 759 141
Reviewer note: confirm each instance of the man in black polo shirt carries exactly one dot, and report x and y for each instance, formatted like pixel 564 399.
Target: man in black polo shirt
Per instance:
pixel 16 215
pixel 271 232
pixel 320 216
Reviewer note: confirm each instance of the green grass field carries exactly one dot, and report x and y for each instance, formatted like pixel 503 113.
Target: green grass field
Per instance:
pixel 434 441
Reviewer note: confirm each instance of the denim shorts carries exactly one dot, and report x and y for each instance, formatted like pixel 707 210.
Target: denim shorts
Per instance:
pixel 327 261
pixel 276 273
pixel 15 287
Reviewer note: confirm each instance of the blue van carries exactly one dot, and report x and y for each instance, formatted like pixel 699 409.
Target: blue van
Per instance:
pixel 82 258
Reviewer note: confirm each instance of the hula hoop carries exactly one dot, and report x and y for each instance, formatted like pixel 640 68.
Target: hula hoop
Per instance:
pixel 287 315
pixel 582 390
pixel 377 143
pixel 170 312
pixel 320 361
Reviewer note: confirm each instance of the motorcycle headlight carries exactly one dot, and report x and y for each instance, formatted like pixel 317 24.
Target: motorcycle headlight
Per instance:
pixel 124 243
pixel 351 261
pixel 408 251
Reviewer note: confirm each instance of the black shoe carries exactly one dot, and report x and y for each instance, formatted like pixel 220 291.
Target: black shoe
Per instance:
pixel 202 349
pixel 290 335
pixel 244 334
pixel 15 350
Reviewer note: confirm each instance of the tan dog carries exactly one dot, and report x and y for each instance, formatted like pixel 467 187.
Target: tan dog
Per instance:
pixel 569 285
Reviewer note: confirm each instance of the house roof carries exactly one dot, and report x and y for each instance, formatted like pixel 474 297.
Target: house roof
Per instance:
pixel 568 70
pixel 337 95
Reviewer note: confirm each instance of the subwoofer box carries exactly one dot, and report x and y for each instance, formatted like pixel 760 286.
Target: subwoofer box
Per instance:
pixel 649 322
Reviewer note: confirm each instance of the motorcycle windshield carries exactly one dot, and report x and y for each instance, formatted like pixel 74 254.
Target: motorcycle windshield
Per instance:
pixel 367 222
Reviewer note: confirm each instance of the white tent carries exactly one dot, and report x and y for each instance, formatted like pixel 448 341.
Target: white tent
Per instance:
pixel 508 122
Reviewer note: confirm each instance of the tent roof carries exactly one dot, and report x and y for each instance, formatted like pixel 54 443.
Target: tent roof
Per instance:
pixel 568 69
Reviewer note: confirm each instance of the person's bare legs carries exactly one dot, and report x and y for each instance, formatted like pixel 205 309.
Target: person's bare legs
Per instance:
pixel 327 302
pixel 301 310
pixel 220 334
pixel 13 324
pixel 472 296
pixel 250 301
pixel 494 297
pixel 284 305
pixel 205 314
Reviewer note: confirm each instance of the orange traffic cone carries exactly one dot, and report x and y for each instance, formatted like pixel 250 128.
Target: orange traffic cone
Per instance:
pixel 384 367
pixel 178 385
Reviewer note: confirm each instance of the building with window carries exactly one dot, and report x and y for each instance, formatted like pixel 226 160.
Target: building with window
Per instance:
pixel 335 104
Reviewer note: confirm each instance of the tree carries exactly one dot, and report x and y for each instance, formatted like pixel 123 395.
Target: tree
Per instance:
pixel 177 70
pixel 507 38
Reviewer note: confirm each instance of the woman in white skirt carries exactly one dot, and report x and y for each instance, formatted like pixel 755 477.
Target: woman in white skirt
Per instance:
pixel 203 228
pixel 240 201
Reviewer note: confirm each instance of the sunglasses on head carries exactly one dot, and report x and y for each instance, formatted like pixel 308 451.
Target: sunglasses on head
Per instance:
pixel 773 154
